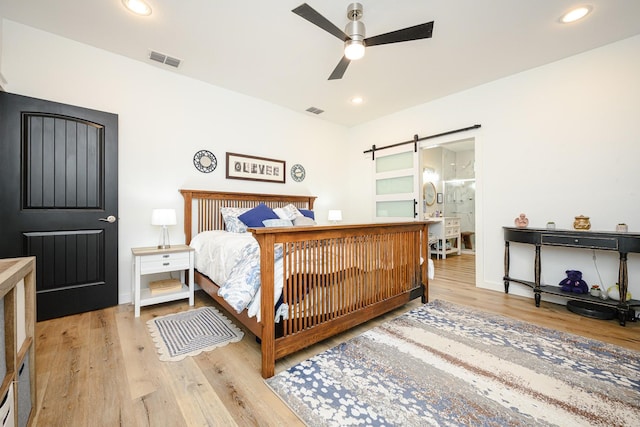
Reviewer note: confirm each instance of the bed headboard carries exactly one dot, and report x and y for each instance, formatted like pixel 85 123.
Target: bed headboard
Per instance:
pixel 202 208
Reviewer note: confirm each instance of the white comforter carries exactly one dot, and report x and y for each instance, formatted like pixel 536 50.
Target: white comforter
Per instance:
pixel 232 261
pixel 218 251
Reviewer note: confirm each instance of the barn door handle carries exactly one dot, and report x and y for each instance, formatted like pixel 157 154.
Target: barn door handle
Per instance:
pixel 110 219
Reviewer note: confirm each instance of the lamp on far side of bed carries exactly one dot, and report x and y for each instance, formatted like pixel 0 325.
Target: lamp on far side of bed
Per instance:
pixel 335 216
pixel 164 217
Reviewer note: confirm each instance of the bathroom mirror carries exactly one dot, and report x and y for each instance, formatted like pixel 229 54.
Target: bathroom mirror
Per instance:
pixel 429 193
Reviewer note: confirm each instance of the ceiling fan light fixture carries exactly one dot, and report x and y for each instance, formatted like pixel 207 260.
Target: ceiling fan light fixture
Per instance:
pixel 353 49
pixel 355 41
pixel 139 7
pixel 575 14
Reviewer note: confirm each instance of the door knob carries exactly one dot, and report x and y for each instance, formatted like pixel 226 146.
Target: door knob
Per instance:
pixel 110 219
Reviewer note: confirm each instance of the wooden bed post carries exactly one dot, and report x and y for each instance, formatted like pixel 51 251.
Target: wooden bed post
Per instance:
pixel 267 314
pixel 188 208
pixel 425 265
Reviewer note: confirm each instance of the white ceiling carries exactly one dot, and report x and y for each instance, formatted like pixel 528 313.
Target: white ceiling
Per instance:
pixel 260 48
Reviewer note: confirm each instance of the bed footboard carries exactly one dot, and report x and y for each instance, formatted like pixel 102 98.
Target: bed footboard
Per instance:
pixel 336 277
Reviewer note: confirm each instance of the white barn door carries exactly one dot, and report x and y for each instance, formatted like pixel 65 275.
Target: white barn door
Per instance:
pixel 397 187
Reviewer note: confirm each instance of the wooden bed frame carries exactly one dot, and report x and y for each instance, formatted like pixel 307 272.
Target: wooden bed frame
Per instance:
pixel 378 269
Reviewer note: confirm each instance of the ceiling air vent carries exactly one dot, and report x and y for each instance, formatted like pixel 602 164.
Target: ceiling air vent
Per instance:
pixel 164 59
pixel 314 110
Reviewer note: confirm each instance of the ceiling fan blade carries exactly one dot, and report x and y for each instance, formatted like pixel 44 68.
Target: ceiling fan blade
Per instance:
pixel 338 72
pixel 310 14
pixel 422 31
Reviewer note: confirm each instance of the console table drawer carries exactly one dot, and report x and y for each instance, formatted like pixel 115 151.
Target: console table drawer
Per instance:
pixel 451 222
pixel 452 231
pixel 580 241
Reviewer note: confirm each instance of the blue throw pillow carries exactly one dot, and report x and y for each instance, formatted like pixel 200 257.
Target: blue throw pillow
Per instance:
pixel 307 213
pixel 255 216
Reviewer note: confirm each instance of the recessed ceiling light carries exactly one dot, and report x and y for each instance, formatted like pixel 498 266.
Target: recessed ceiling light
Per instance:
pixel 139 7
pixel 575 14
pixel 357 100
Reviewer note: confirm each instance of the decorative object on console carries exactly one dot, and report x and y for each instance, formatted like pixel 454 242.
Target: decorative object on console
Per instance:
pixel 551 225
pixel 163 218
pixel 622 228
pixel 521 221
pixel 582 223
pixel 595 290
pixel 614 293
pixel 298 173
pixel 574 283
pixel 335 216
pixel 603 294
pixel 205 161
pixel 252 168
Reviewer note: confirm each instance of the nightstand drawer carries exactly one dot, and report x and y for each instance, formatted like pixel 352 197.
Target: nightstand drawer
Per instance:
pixel 164 262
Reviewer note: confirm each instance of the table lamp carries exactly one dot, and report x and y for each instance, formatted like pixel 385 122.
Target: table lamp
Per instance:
pixel 164 217
pixel 335 216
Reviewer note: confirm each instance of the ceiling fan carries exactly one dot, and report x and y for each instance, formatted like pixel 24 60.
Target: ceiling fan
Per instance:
pixel 354 34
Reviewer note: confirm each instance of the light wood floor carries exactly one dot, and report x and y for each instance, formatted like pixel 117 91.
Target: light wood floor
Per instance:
pixel 101 369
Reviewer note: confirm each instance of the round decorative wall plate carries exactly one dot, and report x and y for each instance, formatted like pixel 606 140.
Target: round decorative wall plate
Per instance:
pixel 205 161
pixel 298 173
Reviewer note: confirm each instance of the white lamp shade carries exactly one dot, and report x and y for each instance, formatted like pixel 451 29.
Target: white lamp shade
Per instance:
pixel 163 217
pixel 335 215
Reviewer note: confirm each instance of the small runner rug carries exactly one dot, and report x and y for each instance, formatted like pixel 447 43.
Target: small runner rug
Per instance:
pixel 444 364
pixel 191 332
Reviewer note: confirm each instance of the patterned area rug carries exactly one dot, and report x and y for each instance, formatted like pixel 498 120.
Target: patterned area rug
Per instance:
pixel 191 332
pixel 443 364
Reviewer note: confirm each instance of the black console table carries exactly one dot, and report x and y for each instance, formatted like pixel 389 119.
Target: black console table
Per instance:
pixel 623 243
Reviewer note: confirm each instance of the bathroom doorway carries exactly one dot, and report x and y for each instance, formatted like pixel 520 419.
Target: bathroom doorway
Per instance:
pixel 450 169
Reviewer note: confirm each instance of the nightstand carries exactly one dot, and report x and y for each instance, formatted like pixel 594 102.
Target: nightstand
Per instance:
pixel 150 260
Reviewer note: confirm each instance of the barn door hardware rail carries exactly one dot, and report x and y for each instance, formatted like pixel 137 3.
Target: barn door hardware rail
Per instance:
pixel 415 140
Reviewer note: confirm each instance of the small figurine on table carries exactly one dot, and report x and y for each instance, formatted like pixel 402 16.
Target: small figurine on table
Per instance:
pixel 521 221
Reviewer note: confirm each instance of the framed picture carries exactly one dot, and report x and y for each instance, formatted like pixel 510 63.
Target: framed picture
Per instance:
pixel 252 168
pixel 439 199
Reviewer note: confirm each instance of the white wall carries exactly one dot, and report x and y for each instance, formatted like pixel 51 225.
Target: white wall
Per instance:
pixel 164 119
pixel 557 141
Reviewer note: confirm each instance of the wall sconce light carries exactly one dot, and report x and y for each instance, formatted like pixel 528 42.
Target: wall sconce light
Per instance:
pixel 164 217
pixel 335 216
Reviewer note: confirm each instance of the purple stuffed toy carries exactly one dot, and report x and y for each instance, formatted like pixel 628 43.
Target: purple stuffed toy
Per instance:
pixel 574 283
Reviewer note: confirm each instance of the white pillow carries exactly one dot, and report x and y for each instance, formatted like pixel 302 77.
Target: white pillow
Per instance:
pixel 289 212
pixel 303 220
pixel 231 221
pixel 277 223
